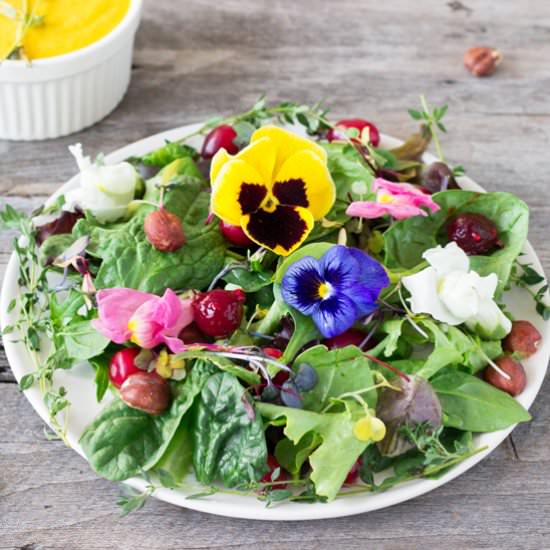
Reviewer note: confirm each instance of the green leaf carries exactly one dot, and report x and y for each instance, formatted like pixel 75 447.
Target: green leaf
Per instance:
pixel 339 371
pixel 26 382
pixel 416 115
pixel 228 443
pixel 122 442
pixel 168 154
pixel 101 366
pixel 406 240
pixel 82 340
pixel 129 259
pixel 473 405
pixel 333 458
pixel 178 457
pixel 292 456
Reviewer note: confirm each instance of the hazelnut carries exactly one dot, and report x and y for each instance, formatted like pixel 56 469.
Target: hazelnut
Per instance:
pixel 164 230
pixel 514 369
pixel 482 61
pixel 146 391
pixel 523 339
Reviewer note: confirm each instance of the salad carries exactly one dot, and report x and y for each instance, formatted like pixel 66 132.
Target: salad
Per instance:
pixel 296 318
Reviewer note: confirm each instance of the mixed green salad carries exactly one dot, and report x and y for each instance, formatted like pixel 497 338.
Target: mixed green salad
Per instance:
pixel 291 317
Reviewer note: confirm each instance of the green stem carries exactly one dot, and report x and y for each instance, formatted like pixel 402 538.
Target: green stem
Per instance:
pixel 432 126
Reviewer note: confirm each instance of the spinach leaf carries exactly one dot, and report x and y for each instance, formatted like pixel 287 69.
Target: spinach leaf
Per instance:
pixel 339 371
pixel 121 441
pixel 129 260
pixel 82 341
pixel 176 461
pixel 333 458
pixel 228 443
pixel 473 405
pixel 101 366
pixel 406 240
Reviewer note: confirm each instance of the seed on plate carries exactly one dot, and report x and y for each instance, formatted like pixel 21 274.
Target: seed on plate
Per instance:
pixel 516 381
pixel 523 339
pixel 146 391
pixel 164 230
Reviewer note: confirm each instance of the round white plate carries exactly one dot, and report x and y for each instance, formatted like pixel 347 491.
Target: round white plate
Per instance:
pixel 81 391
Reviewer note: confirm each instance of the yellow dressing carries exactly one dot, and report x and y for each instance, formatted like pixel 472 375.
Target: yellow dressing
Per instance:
pixel 68 25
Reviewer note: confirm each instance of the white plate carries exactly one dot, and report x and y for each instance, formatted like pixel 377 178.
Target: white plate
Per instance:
pixel 81 392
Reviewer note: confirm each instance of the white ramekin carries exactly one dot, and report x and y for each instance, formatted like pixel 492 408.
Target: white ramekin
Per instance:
pixel 60 95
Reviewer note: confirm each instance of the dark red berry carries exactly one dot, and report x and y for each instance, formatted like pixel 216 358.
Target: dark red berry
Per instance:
pixel 438 177
pixel 273 464
pixel 351 337
pixel 235 234
pixel 474 233
pixel 353 474
pixel 122 365
pixel 218 313
pixel 523 339
pixel 334 135
pixel 515 371
pixel 220 137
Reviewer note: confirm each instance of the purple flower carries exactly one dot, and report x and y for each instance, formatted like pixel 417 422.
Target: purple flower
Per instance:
pixel 336 290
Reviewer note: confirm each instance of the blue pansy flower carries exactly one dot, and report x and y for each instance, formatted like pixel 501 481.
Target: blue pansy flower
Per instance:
pixel 335 290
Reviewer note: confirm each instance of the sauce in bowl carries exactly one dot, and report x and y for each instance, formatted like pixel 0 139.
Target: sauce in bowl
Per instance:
pixel 67 25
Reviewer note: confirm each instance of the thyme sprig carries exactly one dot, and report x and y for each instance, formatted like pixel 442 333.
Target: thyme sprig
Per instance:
pixel 525 276
pixel 432 118
pixel 34 324
pixel 25 21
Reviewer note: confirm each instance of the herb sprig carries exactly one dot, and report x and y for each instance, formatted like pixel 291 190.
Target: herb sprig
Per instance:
pixel 432 118
pixel 525 276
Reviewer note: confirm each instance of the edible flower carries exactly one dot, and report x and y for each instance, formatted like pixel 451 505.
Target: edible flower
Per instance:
pixel 274 189
pixel 369 428
pixel 147 320
pixel 399 200
pixel 335 290
pixel 451 293
pixel 104 190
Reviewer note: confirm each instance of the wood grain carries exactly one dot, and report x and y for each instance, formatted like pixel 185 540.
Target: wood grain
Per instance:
pixel 369 58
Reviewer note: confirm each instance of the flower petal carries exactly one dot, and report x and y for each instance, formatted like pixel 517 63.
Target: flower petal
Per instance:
pixel 172 313
pixel 300 285
pixel 287 143
pixel 424 298
pixel 145 330
pixel 238 190
pixel 369 210
pixel 282 230
pixel 448 259
pixel 335 315
pixel 413 195
pixel 337 269
pixel 304 180
pixel 115 307
pixel 457 292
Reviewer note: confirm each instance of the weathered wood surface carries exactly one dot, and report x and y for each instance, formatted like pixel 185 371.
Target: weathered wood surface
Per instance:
pixel 195 59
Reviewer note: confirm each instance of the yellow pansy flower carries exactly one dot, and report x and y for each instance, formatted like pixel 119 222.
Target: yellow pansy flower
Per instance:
pixel 274 189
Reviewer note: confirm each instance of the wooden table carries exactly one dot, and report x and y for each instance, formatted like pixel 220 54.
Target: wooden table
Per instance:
pixel 195 59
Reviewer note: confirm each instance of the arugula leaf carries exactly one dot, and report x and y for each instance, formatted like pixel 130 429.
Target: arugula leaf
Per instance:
pixel 340 371
pixel 122 442
pixel 471 404
pixel 292 456
pixel 228 443
pixel 129 260
pixel 333 458
pixel 406 240
pixel 168 153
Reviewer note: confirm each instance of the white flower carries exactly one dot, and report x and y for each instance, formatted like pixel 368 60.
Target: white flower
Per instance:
pixel 452 294
pixel 104 190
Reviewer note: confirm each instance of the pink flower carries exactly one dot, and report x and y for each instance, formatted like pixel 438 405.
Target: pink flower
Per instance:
pixel 144 319
pixel 399 200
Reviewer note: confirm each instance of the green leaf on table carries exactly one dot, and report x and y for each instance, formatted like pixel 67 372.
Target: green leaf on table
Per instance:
pixel 406 240
pixel 471 404
pixel 339 371
pixel 228 437
pixel 122 442
pixel 333 458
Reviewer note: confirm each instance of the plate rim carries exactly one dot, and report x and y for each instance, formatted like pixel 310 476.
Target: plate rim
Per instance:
pixel 248 507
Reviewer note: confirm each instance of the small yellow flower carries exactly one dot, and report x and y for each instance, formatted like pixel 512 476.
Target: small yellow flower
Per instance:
pixel 274 189
pixel 166 363
pixel 369 428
